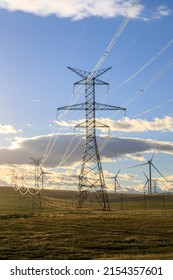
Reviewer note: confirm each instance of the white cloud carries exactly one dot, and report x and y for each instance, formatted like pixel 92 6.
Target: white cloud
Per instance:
pixel 129 125
pixel 7 129
pixel 75 9
pixel 136 156
pixel 140 125
pixel 78 9
pixel 162 11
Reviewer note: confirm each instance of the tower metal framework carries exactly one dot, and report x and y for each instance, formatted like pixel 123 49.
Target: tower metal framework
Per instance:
pixel 91 178
pixel 36 202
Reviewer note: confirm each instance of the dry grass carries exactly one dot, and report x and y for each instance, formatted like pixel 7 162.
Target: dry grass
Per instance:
pixel 66 234
pixel 98 235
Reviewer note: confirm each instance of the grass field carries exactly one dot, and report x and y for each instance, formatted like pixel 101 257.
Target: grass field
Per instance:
pixel 60 232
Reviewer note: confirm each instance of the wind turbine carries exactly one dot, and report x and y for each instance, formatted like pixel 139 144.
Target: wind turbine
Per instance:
pixel 117 184
pixel 150 165
pixel 42 176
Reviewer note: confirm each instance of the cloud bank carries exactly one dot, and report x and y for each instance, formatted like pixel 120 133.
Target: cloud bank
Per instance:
pixel 130 125
pixel 141 125
pixel 67 150
pixel 75 9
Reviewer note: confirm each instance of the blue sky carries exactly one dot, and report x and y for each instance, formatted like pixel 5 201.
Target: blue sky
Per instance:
pixel 39 41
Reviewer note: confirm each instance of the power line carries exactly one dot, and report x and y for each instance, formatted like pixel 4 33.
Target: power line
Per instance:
pixel 156 56
pixel 154 79
pixel 153 108
pixel 115 37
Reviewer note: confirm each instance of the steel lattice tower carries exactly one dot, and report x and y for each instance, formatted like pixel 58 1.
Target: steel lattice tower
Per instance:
pixel 91 178
pixel 36 198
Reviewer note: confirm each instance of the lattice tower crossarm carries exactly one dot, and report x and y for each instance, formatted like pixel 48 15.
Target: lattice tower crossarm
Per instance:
pixel 91 178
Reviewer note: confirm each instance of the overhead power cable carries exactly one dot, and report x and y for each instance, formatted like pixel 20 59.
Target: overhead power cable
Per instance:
pixel 115 37
pixel 156 56
pixel 155 78
pixel 110 46
pixel 67 156
pixel 153 108
pixel 146 86
pixel 77 42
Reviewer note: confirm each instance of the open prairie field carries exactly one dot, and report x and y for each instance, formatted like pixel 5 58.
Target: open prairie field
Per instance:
pixel 60 232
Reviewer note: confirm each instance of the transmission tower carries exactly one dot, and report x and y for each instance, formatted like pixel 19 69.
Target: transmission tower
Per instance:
pixel 155 186
pixel 91 178
pixel 36 202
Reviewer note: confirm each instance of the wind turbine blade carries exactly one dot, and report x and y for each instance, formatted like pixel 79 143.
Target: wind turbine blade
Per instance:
pixel 153 153
pixel 118 184
pixel 146 175
pixel 159 172
pixel 117 173
pixel 152 156
pixel 145 184
pixel 138 165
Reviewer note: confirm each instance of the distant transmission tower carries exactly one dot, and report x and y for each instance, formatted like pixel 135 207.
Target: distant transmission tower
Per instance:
pixel 155 186
pixel 91 178
pixel 36 202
